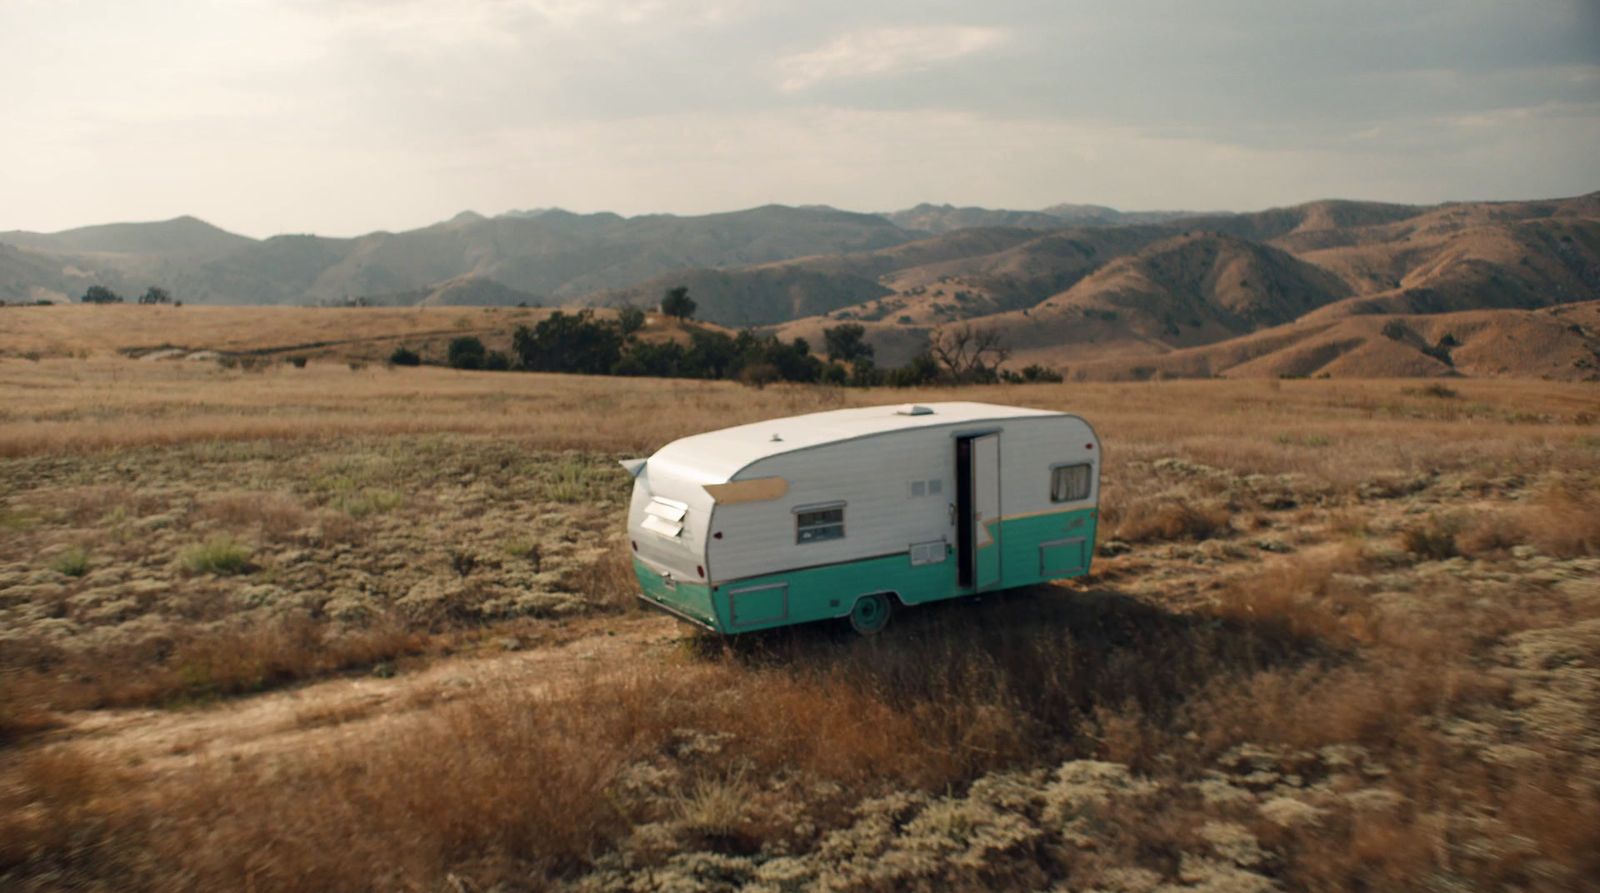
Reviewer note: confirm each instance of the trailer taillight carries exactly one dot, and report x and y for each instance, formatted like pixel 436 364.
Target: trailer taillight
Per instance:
pixel 634 544
pixel 1088 446
pixel 700 569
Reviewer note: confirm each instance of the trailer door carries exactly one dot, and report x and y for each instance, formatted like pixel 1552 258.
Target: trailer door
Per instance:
pixel 978 510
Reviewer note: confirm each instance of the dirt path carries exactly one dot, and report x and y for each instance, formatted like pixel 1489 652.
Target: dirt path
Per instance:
pixel 336 711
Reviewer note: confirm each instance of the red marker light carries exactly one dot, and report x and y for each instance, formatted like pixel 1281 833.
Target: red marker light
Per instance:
pixel 717 535
pixel 1088 446
pixel 634 545
pixel 699 569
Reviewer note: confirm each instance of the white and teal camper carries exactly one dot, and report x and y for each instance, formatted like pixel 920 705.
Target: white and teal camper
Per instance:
pixel 843 514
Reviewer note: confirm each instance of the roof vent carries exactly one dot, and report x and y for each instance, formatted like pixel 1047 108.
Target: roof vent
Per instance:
pixel 914 409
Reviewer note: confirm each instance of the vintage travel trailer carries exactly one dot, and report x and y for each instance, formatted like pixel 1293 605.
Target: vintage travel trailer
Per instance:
pixel 844 514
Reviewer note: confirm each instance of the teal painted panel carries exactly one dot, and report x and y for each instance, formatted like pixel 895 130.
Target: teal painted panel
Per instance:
pixel 1024 538
pixel 758 605
pixel 1062 557
pixel 818 593
pixel 690 599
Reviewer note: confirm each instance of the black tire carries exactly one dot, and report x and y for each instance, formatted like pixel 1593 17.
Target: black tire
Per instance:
pixel 870 614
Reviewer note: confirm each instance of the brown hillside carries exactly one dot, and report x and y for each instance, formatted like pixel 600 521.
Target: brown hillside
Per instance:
pixel 848 286
pixel 1137 292
pixel 1326 216
pixel 1557 343
pixel 944 290
pixel 1193 280
pixel 1517 264
pixel 1179 292
pixel 753 297
pixel 28 276
pixel 468 290
pixel 1182 292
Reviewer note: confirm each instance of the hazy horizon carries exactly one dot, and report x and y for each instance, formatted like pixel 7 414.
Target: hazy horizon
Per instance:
pixel 347 117
pixel 877 211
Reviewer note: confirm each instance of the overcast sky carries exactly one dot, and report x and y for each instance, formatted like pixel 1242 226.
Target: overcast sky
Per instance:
pixel 344 116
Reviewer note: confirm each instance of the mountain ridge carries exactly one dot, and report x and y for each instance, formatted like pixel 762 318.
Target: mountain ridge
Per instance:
pixel 1087 296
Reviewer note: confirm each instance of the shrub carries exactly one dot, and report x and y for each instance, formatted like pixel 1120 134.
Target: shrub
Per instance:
pixel 466 352
pixel 716 808
pixel 923 369
pixel 497 361
pixel 568 342
pixel 1494 533
pixel 677 303
pixel 298 362
pixel 74 562
pixel 758 375
pixel 1175 519
pixel 368 501
pixel 866 374
pixel 1434 539
pixel 1433 390
pixel 221 554
pixel 1564 520
pixel 846 342
pixel 630 320
pixel 99 294
pixel 1036 373
pixel 274 515
pixel 658 358
pixel 405 356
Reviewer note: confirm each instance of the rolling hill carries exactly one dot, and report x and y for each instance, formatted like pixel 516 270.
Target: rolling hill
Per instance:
pixel 185 237
pixel 1561 342
pixel 947 218
pixel 553 253
pixel 1105 300
pixel 1110 294
pixel 469 290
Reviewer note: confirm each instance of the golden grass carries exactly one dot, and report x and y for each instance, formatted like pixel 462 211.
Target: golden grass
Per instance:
pixel 1169 519
pixel 1565 519
pixel 1188 649
pixel 513 784
pixel 65 405
pixel 198 665
pixel 74 331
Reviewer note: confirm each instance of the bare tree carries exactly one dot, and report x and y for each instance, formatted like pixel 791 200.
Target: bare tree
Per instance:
pixel 968 352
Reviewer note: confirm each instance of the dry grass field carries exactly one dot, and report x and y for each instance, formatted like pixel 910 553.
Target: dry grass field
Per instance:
pixel 349 333
pixel 373 629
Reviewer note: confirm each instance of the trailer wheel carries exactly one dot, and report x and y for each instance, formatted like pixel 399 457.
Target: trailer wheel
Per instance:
pixel 870 614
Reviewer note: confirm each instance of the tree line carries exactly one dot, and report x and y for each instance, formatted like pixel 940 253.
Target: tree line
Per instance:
pixel 580 342
pixel 99 294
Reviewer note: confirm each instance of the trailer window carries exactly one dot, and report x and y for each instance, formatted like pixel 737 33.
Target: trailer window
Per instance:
pixel 1070 483
pixel 814 524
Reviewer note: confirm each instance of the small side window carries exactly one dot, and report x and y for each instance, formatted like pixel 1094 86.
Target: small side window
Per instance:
pixel 1070 483
pixel 817 523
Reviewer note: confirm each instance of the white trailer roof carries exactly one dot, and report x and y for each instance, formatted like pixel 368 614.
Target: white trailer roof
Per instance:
pixel 716 456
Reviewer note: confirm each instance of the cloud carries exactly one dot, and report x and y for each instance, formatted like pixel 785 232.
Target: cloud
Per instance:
pixel 350 114
pixel 880 51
